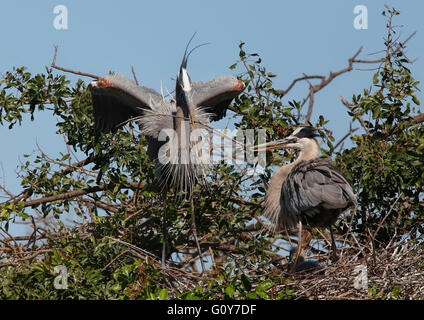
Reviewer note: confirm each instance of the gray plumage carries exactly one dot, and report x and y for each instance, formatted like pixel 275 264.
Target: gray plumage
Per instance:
pixel 315 192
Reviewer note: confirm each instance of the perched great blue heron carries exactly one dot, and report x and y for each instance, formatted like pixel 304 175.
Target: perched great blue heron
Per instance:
pixel 309 191
pixel 167 124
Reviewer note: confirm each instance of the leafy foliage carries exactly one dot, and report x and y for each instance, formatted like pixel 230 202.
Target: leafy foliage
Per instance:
pixel 386 163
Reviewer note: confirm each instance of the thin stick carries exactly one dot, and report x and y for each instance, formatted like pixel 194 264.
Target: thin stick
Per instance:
pixel 361 120
pixel 53 65
pixel 135 77
pixel 164 231
pixel 305 77
pixel 196 239
pixel 345 137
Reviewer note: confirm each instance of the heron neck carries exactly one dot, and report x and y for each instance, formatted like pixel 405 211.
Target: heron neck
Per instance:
pixel 183 101
pixel 276 183
pixel 309 151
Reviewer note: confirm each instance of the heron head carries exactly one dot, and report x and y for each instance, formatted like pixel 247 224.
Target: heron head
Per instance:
pixel 183 85
pixel 300 139
pixel 183 79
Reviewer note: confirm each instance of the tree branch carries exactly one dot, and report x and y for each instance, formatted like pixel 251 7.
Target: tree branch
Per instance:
pixel 53 65
pixel 64 196
pixel 361 120
pixel 324 81
pixel 133 73
pixel 77 165
pixel 305 77
pixel 78 193
pixel 345 137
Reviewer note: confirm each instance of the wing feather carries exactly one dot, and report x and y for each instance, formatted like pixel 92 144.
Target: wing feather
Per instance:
pixel 117 99
pixel 216 95
pixel 314 184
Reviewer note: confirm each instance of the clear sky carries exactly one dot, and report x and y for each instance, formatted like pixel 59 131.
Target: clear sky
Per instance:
pixel 292 37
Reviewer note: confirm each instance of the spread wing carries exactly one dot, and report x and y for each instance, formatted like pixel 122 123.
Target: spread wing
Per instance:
pixel 117 99
pixel 315 185
pixel 216 95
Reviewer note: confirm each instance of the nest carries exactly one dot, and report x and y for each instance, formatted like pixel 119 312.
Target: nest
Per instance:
pixel 395 272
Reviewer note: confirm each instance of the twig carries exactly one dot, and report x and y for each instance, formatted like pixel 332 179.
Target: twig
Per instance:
pixel 53 65
pixel 135 248
pixel 37 253
pixel 74 194
pixel 23 238
pixel 325 81
pixel 71 168
pixel 100 204
pixel 311 104
pixel 388 213
pixel 305 77
pixel 345 137
pixel 133 73
pixel 361 120
pixel 114 259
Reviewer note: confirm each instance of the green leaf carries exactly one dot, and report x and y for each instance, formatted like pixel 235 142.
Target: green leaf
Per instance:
pixel 265 285
pixel 229 290
pixel 163 294
pixel 246 283
pixel 375 78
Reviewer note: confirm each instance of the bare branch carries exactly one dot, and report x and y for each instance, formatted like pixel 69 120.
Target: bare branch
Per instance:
pixel 419 118
pixel 135 77
pixel 64 196
pixel 305 77
pixel 53 65
pixel 325 81
pixel 311 104
pixel 345 137
pixel 101 205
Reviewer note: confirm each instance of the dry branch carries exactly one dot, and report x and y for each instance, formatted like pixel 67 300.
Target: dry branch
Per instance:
pixel 53 65
pixel 325 81
pixel 135 77
pixel 305 77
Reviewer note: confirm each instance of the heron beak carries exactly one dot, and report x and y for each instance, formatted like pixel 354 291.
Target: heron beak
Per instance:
pixel 279 144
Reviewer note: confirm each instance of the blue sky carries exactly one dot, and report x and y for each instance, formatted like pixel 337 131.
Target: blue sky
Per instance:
pixel 292 37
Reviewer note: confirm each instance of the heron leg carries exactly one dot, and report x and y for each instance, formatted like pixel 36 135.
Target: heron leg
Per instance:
pixel 194 228
pixel 164 230
pixel 334 255
pixel 299 247
pixel 165 240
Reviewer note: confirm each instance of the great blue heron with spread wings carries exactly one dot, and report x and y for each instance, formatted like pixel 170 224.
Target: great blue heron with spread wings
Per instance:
pixel 167 124
pixel 117 99
pixel 309 191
